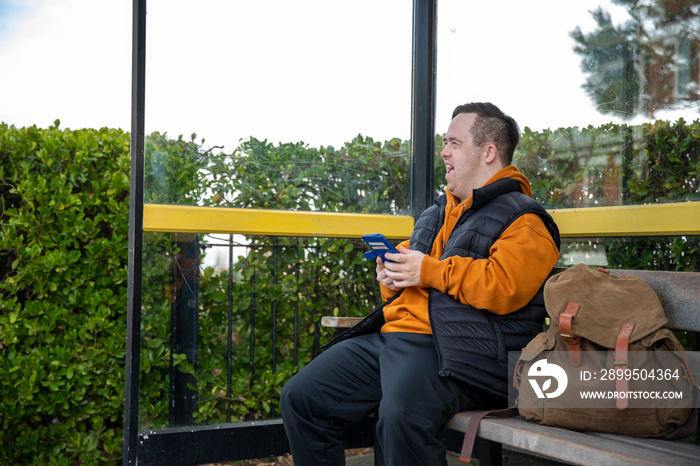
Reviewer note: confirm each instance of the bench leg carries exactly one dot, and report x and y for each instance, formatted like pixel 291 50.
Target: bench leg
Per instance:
pixel 490 453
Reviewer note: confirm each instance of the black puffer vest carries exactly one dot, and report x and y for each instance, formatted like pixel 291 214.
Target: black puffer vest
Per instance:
pixel 473 344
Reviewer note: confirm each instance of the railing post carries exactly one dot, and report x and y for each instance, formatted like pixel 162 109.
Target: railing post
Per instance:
pixel 229 333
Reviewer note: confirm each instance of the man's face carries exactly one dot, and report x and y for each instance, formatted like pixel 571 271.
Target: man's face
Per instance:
pixel 463 160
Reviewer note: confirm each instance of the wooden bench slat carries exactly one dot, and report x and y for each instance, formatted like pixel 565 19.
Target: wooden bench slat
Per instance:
pixel 339 322
pixel 679 293
pixel 577 447
pixel 684 451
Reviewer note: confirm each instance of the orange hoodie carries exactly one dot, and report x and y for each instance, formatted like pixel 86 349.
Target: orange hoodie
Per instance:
pixel 519 262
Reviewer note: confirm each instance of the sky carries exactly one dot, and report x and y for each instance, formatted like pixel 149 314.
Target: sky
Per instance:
pixel 315 71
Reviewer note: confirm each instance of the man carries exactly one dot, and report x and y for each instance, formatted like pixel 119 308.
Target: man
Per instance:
pixel 466 291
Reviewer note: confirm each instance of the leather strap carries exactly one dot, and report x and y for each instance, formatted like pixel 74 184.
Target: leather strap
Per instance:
pixel 473 428
pixel 518 374
pixel 622 362
pixel 567 334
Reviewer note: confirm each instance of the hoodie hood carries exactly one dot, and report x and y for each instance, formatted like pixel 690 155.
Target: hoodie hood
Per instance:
pixel 511 171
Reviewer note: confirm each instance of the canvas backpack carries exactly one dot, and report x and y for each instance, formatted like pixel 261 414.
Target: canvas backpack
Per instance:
pixel 601 326
pixel 602 322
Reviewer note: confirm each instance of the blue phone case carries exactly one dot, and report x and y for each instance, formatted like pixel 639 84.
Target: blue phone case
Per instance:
pixel 379 244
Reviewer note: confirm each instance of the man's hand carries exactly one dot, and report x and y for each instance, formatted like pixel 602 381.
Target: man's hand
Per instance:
pixel 403 272
pixel 382 276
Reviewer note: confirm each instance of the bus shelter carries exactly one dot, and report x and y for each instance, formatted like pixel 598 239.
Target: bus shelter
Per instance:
pixel 228 278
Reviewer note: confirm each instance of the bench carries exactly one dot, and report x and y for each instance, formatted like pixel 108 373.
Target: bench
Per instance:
pixel 524 442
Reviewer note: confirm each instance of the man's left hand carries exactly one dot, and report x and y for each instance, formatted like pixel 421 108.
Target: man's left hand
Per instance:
pixel 405 268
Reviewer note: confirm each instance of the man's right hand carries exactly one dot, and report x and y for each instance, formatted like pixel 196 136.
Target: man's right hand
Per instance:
pixel 382 277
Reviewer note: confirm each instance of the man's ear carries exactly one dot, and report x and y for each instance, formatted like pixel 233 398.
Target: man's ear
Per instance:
pixel 491 153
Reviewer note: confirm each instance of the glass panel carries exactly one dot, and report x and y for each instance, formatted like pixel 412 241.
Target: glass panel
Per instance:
pixel 588 82
pixel 264 295
pixel 297 106
pixel 274 104
pixel 634 253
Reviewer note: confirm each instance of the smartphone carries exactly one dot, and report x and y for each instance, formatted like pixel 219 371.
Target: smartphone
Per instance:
pixel 379 244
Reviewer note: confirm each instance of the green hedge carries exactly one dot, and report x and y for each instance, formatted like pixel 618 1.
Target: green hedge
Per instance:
pixel 63 255
pixel 63 278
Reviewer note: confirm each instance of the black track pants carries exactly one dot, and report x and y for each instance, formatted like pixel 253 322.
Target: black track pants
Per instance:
pixel 394 373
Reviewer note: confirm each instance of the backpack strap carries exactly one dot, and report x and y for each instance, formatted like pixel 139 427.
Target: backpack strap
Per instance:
pixel 621 359
pixel 567 334
pixel 473 428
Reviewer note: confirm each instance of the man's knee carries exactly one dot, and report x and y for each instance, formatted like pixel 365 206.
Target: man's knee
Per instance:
pixel 285 396
pixel 391 411
pixel 293 397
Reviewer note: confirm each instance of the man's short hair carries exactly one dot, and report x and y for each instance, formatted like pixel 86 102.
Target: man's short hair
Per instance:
pixel 492 125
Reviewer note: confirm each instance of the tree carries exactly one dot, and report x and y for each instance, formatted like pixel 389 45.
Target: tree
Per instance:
pixel 648 63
